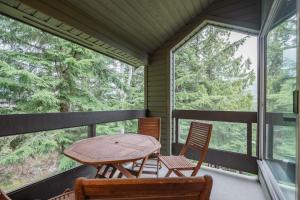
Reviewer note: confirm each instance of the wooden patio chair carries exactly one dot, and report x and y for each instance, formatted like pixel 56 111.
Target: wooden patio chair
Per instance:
pixel 150 126
pixel 198 139
pixel 3 196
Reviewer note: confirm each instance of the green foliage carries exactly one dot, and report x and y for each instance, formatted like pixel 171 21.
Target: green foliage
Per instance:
pixel 65 163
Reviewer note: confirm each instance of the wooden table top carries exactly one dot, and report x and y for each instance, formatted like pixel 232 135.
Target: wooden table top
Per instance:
pixel 112 149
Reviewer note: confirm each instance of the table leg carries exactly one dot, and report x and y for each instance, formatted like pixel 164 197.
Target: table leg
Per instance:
pixel 108 171
pixel 105 170
pixel 98 170
pixel 169 173
pixel 112 173
pixel 178 173
pixel 120 175
pixel 142 167
pixel 126 172
pixel 123 170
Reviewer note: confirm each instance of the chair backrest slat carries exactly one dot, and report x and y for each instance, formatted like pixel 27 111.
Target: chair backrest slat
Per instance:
pixel 199 136
pixel 192 188
pixel 149 126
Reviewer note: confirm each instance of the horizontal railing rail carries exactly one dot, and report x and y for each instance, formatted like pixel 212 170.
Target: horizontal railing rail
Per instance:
pixel 280 119
pixel 224 116
pixel 16 124
pixel 233 160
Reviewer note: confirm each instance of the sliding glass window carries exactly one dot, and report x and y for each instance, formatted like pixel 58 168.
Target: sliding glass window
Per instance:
pixel 280 128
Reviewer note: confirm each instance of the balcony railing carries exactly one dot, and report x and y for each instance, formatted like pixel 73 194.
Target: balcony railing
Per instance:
pixel 238 161
pixel 18 124
pixel 29 123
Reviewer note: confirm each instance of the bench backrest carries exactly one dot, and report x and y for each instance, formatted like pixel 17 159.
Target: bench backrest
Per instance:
pixel 187 188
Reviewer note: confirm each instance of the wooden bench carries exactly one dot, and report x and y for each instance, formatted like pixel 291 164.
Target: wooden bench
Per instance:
pixel 183 188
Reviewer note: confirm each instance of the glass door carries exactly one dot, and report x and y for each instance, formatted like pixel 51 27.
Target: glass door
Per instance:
pixel 280 148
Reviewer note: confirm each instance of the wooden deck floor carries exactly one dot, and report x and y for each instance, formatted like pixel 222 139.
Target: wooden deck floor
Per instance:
pixel 229 186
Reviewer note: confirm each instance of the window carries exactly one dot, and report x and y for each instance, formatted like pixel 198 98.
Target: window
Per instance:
pixel 280 129
pixel 216 70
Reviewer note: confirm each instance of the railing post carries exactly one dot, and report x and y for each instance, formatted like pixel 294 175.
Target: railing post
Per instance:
pixel 92 130
pixel 176 130
pixel 257 142
pixel 270 140
pixel 249 139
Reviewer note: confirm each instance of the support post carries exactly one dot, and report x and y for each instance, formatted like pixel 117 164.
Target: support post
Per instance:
pixel 176 130
pixel 92 130
pixel 257 142
pixel 270 140
pixel 249 139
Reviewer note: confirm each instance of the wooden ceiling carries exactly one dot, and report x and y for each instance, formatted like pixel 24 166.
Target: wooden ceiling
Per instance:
pixel 128 30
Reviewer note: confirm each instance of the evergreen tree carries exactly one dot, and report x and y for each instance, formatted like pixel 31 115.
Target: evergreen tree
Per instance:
pixel 210 76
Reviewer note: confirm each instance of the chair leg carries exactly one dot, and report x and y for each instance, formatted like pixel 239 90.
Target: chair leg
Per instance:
pixel 169 173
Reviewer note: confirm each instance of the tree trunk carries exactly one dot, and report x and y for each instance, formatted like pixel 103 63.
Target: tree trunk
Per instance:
pixel 64 107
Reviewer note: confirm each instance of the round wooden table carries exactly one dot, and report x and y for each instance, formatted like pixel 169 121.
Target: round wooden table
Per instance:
pixel 114 150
